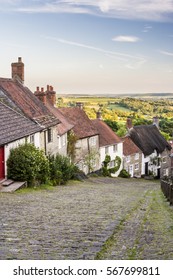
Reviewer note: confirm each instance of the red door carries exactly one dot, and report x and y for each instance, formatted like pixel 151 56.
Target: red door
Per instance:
pixel 2 169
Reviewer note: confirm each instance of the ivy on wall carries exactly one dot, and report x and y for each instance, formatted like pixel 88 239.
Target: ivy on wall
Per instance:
pixel 106 171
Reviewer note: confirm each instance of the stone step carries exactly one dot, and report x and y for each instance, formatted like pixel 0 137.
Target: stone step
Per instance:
pixel 7 183
pixel 13 187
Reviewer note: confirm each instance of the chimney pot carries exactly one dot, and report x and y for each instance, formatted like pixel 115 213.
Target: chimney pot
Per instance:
pixel 37 89
pixel 99 115
pixel 79 105
pixel 42 89
pixel 129 123
pixel 156 121
pixel 17 70
pixel 48 87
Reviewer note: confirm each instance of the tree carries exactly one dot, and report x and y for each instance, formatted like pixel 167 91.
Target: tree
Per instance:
pixel 122 131
pixel 90 160
pixel 113 124
pixel 71 142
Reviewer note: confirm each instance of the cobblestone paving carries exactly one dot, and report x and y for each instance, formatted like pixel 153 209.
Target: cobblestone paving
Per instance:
pixel 100 218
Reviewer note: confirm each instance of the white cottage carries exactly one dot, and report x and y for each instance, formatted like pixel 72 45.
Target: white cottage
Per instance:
pixel 109 144
pixel 15 130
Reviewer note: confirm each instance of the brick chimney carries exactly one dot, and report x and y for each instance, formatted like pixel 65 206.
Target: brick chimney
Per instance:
pixel 129 124
pixel 17 70
pixel 79 105
pixel 156 121
pixel 41 95
pixel 99 115
pixel 51 95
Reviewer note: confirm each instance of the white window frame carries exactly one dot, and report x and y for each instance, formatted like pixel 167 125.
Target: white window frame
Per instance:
pixel 32 139
pixel 63 140
pixel 112 164
pixel 136 166
pixel 128 159
pixel 49 135
pixel 136 156
pixel 165 172
pixel 115 148
pixel 107 150
pixel 93 141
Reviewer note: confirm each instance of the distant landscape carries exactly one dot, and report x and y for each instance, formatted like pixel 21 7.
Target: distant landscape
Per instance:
pixel 133 95
pixel 115 109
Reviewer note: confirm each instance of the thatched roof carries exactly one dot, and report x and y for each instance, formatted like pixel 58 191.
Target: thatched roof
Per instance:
pixel 148 138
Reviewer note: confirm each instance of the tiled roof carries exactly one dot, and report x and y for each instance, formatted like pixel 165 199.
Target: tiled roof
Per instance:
pixel 148 138
pixel 83 126
pixel 25 100
pixel 64 126
pixel 129 148
pixel 14 126
pixel 106 135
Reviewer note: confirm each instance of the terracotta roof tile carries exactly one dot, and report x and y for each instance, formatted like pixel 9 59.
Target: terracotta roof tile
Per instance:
pixel 29 104
pixel 83 126
pixel 106 135
pixel 129 148
pixel 64 126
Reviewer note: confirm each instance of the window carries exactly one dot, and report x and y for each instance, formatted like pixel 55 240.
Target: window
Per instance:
pixel 164 159
pixel 165 172
pixel 79 165
pixel 127 158
pixel 49 135
pixel 106 150
pixel 93 141
pixel 63 140
pixel 136 156
pixel 115 148
pixel 32 139
pixel 59 142
pixel 136 166
pixel 112 164
pixel 93 163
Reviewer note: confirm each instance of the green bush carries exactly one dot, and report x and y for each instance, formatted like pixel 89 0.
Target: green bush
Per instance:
pixel 28 163
pixel 61 169
pixel 107 171
pixel 124 174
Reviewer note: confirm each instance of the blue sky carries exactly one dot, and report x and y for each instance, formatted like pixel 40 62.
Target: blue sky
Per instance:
pixel 89 46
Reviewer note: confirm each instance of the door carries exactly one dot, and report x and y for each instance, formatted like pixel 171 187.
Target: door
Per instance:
pixel 146 168
pixel 131 170
pixel 2 169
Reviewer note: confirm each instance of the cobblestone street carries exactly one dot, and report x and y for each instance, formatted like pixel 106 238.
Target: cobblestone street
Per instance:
pixel 100 218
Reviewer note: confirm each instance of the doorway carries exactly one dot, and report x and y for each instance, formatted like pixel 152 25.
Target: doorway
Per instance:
pixel 2 167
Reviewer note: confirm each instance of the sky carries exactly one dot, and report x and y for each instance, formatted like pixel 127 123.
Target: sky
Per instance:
pixel 90 46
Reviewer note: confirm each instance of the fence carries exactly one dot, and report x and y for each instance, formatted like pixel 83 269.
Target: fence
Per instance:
pixel 167 189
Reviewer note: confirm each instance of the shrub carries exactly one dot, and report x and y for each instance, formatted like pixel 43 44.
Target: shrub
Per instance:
pixel 61 169
pixel 124 174
pixel 28 163
pixel 107 171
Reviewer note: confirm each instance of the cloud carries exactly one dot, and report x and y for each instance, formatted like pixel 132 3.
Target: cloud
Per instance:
pixel 166 53
pixel 128 39
pixel 147 28
pixel 153 10
pixel 133 61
